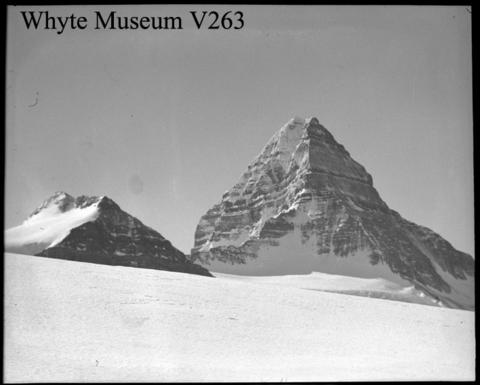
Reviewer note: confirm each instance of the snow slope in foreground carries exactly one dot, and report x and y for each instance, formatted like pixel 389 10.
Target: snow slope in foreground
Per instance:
pixel 73 321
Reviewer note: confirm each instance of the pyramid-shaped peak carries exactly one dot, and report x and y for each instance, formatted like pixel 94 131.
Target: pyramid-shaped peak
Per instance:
pixel 298 120
pixel 106 202
pixel 304 204
pixel 306 127
pixel 85 200
pixel 95 229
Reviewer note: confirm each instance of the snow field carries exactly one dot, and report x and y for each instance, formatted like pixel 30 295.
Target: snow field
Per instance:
pixel 72 321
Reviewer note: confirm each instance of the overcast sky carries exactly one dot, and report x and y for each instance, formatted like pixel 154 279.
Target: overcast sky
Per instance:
pixel 164 122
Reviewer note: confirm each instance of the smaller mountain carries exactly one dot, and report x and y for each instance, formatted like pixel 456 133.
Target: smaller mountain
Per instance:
pixel 95 229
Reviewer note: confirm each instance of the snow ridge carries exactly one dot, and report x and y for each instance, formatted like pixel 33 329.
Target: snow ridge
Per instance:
pixel 51 223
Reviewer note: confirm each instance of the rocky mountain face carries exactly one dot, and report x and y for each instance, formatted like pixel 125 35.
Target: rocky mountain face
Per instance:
pixel 95 229
pixel 305 205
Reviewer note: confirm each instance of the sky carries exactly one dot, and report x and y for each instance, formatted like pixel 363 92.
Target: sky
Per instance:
pixel 165 121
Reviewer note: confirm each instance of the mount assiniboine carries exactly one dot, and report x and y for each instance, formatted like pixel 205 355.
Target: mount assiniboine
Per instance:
pixel 95 229
pixel 305 205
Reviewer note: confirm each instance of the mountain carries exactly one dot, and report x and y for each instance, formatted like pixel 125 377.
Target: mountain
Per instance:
pixel 95 229
pixel 304 205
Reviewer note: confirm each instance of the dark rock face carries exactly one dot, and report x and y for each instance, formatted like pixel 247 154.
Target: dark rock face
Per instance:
pixel 115 238
pixel 305 196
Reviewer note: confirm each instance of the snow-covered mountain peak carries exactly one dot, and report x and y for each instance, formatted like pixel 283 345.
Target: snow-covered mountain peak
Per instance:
pixel 53 221
pixel 50 224
pixel 94 229
pixel 60 201
pixel 304 204
pixel 296 120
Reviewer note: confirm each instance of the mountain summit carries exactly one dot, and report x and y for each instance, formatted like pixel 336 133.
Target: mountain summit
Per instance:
pixel 95 229
pixel 305 205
